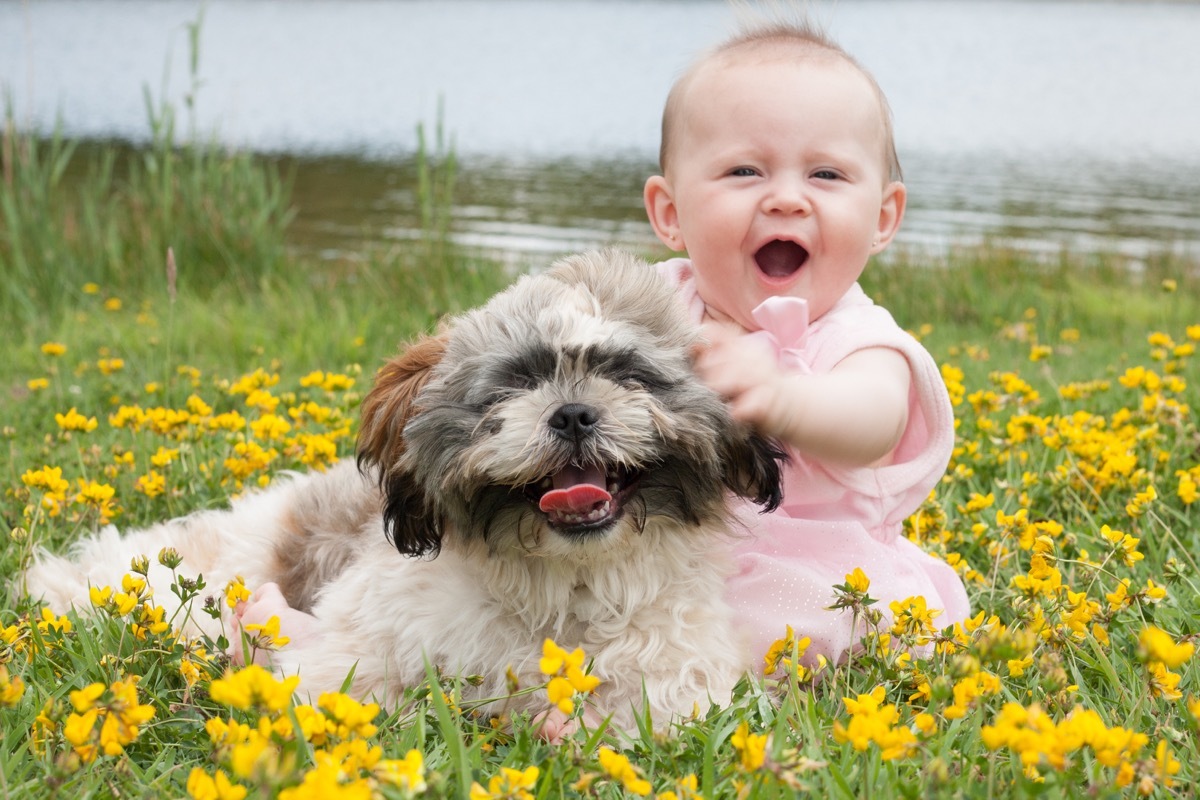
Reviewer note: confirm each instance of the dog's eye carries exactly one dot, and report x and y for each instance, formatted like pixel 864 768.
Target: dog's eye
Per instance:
pixel 505 386
pixel 635 380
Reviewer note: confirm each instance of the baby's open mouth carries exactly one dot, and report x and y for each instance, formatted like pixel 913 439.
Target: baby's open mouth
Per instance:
pixel 582 499
pixel 780 259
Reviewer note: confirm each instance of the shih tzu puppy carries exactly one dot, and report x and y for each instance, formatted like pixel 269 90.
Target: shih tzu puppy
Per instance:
pixel 547 466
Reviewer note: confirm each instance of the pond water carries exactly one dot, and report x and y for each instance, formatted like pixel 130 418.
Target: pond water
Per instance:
pixel 1046 125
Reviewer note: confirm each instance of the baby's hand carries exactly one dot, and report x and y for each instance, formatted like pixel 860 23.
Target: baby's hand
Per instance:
pixel 745 371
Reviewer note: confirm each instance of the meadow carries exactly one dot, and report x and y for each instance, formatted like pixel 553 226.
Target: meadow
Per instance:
pixel 139 386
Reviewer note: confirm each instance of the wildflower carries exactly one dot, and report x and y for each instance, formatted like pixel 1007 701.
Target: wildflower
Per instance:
pixel 110 365
pixel 874 722
pixel 1187 490
pixel 37 384
pixel 12 688
pixel 911 617
pixel 112 304
pixel 348 716
pixel 150 621
pixel 317 450
pixel 236 592
pixel 617 767
pixel 98 496
pixel 566 674
pixel 1141 501
pixel 50 622
pixel 74 421
pixel 262 400
pixel 1163 768
pixel 1155 644
pixel 751 747
pixel 781 652
pixel 253 686
pixel 510 784
pixel 266 636
pixel 1038 739
pixel 202 786
pixel 408 773
pixel 1124 545
pixel 54 349
pixel 270 427
pixel 84 700
pixel 1163 682
pixel 152 484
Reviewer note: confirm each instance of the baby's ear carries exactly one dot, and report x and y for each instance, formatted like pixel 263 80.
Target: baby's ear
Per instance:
pixel 891 214
pixel 662 213
pixel 392 402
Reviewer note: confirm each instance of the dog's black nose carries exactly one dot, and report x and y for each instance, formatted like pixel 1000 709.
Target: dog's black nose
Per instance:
pixel 574 421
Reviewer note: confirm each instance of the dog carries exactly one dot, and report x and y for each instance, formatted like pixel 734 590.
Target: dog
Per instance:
pixel 545 466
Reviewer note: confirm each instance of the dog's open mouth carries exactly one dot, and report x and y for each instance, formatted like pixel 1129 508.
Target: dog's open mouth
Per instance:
pixel 581 499
pixel 780 259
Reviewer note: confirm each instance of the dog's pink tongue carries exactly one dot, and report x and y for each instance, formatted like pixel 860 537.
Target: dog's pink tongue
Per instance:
pixel 575 489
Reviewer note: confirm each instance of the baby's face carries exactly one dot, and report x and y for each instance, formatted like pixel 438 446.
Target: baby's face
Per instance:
pixel 777 183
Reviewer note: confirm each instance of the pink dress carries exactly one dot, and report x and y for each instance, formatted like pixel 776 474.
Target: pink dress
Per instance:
pixel 834 519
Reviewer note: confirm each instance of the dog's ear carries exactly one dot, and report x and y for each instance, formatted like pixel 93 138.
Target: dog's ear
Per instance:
pixel 753 469
pixel 408 518
pixel 392 402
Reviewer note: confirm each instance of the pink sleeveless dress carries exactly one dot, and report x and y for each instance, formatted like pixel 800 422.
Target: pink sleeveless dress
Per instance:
pixel 834 519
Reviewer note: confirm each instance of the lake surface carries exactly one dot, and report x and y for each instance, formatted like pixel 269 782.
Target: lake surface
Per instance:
pixel 1047 125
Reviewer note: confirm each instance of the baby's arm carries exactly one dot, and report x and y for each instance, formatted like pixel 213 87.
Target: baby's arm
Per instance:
pixel 853 415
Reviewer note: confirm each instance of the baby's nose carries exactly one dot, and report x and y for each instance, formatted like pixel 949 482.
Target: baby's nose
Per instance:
pixel 786 197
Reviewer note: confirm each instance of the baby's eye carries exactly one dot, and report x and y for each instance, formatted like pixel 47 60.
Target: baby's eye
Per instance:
pixel 743 172
pixel 826 175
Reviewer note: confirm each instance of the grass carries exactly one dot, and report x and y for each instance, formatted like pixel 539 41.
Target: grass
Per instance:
pixel 1070 509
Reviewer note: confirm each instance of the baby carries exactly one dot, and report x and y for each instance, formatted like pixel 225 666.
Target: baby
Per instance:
pixel 780 179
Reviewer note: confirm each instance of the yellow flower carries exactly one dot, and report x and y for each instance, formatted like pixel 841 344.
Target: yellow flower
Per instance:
pixel 236 592
pixel 152 484
pixel 83 700
pixel 266 635
pixel 617 767
pixel 510 784
pixel 78 732
pixel 858 581
pixel 54 349
pixel 408 773
pixel 912 617
pixel 780 654
pixel 202 786
pixel 874 722
pixel 37 384
pixel 566 674
pixel 349 717
pixel 253 686
pixel 1155 644
pixel 751 747
pixel 1163 682
pixel 12 688
pixel 110 365
pixel 74 421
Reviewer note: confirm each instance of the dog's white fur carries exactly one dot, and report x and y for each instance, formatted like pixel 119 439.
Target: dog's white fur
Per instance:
pixel 451 444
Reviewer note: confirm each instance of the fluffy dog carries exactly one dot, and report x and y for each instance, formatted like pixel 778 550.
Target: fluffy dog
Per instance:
pixel 546 466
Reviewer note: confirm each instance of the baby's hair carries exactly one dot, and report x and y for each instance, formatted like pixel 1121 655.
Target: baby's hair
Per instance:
pixel 803 37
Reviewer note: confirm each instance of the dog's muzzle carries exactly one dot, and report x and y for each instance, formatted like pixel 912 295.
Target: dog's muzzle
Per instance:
pixel 581 498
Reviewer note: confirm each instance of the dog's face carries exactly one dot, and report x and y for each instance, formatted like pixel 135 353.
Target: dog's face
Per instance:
pixel 558 419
